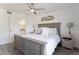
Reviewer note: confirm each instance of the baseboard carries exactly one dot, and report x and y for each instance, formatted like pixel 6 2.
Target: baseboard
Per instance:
pixel 4 43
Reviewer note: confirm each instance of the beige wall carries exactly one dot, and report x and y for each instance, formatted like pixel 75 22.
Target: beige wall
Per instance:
pixel 76 25
pixel 4 25
pixel 63 16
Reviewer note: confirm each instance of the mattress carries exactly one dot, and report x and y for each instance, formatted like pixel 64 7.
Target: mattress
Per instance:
pixel 50 42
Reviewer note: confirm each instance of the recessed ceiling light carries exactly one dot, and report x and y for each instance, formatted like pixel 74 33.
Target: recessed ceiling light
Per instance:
pixel 32 10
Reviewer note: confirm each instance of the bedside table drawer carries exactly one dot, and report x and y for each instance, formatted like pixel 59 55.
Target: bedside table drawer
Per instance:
pixel 67 38
pixel 67 43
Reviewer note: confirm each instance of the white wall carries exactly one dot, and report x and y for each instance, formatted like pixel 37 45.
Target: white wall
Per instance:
pixel 29 22
pixel 76 25
pixel 14 19
pixel 14 23
pixel 4 27
pixel 63 16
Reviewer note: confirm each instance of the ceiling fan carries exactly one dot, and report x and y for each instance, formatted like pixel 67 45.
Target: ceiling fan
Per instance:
pixel 32 8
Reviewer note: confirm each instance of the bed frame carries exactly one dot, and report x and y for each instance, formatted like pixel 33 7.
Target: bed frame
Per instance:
pixel 29 47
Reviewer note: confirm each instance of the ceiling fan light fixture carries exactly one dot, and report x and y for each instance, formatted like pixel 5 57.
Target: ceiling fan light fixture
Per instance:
pixel 32 10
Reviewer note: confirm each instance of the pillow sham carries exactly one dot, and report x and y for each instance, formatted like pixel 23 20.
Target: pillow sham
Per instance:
pixel 31 30
pixel 44 31
pixel 49 31
pixel 52 31
pixel 38 30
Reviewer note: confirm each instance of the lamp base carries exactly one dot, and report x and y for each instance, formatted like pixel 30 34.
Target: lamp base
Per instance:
pixel 23 31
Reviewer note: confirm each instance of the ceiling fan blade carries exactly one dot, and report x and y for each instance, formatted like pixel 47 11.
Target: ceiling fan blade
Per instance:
pixel 32 9
pixel 32 4
pixel 35 13
pixel 29 6
pixel 39 8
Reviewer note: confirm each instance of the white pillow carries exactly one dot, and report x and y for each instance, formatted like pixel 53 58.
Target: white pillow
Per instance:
pixel 38 30
pixel 44 31
pixel 52 32
pixel 31 30
pixel 49 31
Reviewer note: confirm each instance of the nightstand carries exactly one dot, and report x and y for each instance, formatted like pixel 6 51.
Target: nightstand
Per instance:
pixel 67 42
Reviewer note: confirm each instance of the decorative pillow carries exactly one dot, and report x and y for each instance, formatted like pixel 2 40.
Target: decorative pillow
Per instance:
pixel 52 31
pixel 31 30
pixel 45 31
pixel 38 30
pixel 49 31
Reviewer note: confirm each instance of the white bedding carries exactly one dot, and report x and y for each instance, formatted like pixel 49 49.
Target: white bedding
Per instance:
pixel 50 42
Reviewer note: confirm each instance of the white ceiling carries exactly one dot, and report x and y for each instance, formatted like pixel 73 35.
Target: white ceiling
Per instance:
pixel 49 7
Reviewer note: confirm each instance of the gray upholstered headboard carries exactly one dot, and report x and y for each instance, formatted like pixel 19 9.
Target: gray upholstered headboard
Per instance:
pixel 51 25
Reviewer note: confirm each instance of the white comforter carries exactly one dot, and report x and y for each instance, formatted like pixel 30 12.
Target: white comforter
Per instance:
pixel 50 42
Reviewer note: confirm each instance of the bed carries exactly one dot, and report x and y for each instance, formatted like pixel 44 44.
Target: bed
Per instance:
pixel 33 44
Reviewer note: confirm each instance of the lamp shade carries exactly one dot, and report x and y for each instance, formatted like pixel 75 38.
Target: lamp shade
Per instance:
pixel 69 25
pixel 22 22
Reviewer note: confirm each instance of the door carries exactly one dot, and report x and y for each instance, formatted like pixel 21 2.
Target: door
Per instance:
pixel 4 29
